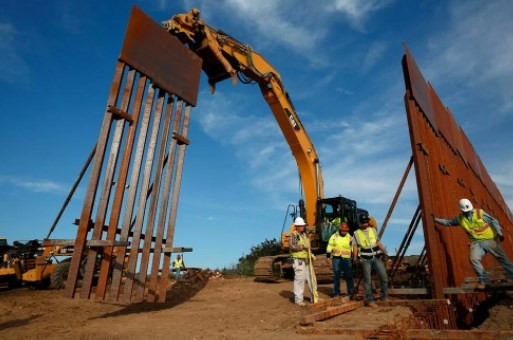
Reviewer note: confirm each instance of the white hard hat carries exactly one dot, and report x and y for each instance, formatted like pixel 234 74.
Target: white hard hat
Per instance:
pixel 465 205
pixel 299 222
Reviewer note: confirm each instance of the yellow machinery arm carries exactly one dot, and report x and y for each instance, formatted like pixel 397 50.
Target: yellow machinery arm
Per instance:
pixel 225 57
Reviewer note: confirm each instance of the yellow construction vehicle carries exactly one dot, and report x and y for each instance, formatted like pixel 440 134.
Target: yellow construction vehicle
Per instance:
pixel 10 268
pixel 225 57
pixel 33 264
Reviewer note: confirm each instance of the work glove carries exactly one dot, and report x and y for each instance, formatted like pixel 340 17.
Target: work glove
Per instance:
pixel 328 255
pixel 306 246
pixel 313 257
pixel 500 238
pixel 435 219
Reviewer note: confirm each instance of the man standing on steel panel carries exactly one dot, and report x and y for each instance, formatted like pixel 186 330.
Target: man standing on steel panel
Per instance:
pixel 340 246
pixel 369 250
pixel 478 226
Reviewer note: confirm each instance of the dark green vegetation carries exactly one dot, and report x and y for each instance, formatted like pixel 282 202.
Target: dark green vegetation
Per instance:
pixel 246 262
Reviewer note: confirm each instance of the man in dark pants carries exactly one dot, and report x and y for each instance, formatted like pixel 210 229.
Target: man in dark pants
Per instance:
pixel 340 246
pixel 369 250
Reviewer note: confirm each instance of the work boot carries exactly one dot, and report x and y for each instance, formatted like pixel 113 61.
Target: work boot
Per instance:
pixel 371 304
pixel 301 304
pixel 481 285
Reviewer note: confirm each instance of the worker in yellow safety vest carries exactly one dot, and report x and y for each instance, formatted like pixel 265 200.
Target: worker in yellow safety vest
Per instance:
pixel 178 266
pixel 340 247
pixel 480 228
pixel 370 251
pixel 299 244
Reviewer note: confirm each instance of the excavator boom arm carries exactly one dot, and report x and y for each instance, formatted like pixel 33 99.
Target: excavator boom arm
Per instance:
pixel 225 57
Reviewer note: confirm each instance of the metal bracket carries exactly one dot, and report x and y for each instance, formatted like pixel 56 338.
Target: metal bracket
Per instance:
pixel 181 139
pixel 423 148
pixel 443 169
pixel 461 182
pixel 118 113
pixel 176 250
pixel 90 243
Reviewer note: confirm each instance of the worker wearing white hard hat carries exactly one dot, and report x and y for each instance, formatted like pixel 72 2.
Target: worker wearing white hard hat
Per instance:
pixel 485 236
pixel 299 244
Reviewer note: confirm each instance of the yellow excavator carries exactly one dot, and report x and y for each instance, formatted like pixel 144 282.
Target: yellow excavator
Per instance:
pixel 225 57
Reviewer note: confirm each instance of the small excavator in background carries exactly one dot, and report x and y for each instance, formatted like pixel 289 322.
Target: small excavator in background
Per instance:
pixel 225 57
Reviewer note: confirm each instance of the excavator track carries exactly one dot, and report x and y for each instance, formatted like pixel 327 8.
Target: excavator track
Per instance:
pixel 268 269
pixel 275 268
pixel 323 269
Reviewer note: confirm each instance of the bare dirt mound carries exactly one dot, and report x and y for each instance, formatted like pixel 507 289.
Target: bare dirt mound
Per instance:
pixel 500 316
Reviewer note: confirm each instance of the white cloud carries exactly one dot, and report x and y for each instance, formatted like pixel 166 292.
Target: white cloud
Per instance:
pixel 256 140
pixel 472 59
pixel 373 55
pixel 476 49
pixel 35 186
pixel 359 155
pixel 278 23
pixel 356 11
pixel 13 69
pixel 369 181
pixel 365 137
pixel 344 91
pixel 501 175
pixel 272 19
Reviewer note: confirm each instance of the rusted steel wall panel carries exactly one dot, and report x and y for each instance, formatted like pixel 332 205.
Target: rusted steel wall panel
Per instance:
pixel 447 169
pixel 420 89
pixel 154 52
pixel 144 162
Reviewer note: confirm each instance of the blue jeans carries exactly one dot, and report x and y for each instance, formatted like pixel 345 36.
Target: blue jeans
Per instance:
pixel 477 251
pixel 379 267
pixel 342 265
pixel 178 273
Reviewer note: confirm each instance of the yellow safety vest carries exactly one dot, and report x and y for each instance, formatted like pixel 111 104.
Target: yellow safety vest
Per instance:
pixel 478 229
pixel 367 247
pixel 363 241
pixel 178 263
pixel 340 245
pixel 302 240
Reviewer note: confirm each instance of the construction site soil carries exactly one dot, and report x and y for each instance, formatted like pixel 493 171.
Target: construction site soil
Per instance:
pixel 216 307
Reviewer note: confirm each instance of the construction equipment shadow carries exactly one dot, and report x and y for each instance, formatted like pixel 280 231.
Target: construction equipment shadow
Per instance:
pixel 180 292
pixel 18 323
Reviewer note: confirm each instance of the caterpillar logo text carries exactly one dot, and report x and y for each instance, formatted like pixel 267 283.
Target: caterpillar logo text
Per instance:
pixel 292 120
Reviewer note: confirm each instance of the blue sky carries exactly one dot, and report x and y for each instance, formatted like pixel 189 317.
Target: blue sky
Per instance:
pixel 340 61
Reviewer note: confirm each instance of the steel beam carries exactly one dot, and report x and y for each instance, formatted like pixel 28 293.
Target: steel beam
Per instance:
pixel 331 312
pixel 87 208
pixel 174 207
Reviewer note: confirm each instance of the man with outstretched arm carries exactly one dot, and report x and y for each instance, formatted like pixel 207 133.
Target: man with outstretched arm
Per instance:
pixel 480 228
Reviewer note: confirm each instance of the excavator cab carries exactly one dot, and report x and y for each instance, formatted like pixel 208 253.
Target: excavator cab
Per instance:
pixel 333 211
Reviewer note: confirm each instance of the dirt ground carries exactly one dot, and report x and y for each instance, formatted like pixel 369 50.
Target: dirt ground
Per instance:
pixel 222 308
